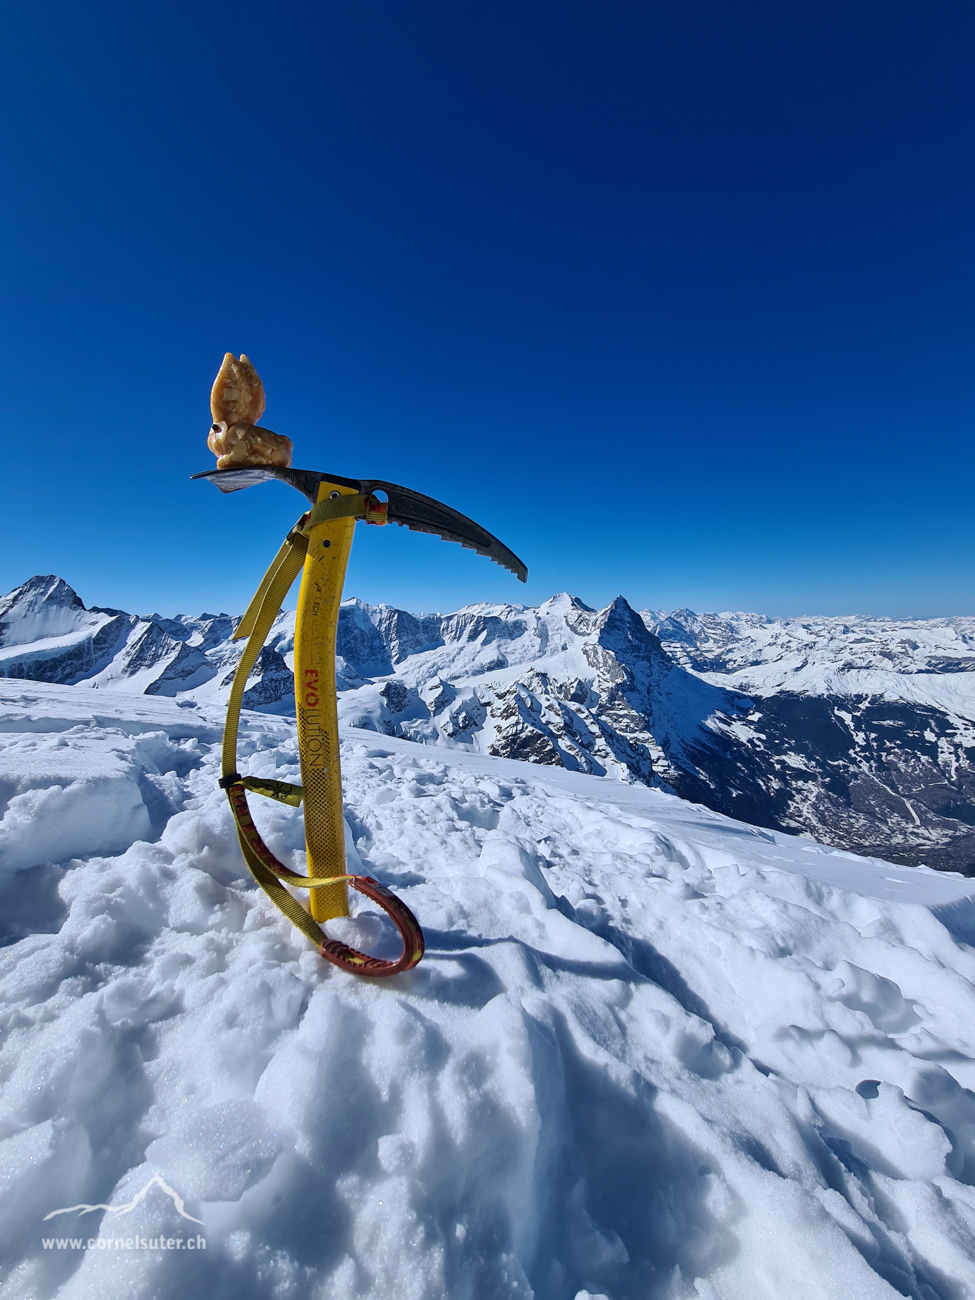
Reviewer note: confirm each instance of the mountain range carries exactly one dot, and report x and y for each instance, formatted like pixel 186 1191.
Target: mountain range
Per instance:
pixel 859 732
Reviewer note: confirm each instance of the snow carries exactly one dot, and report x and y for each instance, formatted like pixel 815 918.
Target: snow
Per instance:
pixel 859 731
pixel 651 1052
pixel 45 608
pixel 921 661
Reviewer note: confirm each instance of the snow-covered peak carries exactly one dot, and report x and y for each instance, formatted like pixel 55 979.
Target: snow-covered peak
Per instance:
pixel 44 606
pixel 561 602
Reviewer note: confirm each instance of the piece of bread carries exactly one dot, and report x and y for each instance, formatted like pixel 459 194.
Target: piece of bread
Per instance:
pixel 248 444
pixel 237 395
pixel 236 402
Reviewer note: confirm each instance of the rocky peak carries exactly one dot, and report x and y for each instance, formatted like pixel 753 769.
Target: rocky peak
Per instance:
pixel 404 634
pixel 359 641
pixel 621 630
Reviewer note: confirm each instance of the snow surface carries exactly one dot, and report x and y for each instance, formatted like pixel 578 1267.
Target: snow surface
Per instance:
pixel 651 1052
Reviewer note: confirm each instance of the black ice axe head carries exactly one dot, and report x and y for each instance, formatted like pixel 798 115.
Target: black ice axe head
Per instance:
pixel 405 507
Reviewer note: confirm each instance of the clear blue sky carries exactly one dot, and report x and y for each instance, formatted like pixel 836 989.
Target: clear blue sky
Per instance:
pixel 676 298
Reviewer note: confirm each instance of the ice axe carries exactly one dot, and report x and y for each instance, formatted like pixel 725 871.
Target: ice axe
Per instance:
pixel 318 546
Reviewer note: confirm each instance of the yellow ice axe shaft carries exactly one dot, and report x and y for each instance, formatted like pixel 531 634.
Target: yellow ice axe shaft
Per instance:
pixel 319 599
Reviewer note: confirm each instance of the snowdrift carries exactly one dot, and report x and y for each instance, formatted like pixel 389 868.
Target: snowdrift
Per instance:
pixel 651 1052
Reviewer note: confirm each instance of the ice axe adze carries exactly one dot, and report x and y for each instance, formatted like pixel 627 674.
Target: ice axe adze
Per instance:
pixel 319 546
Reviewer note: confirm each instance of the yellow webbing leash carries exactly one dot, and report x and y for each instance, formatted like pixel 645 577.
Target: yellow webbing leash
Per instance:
pixel 264 866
